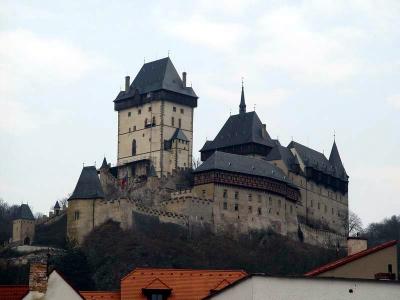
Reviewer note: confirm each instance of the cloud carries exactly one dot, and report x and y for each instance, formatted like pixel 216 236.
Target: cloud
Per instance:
pixel 215 35
pixel 394 101
pixel 29 65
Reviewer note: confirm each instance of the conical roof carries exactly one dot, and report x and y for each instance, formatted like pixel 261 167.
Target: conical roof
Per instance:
pixel 57 205
pixel 88 186
pixel 24 212
pixel 242 106
pixel 336 162
pixel 104 164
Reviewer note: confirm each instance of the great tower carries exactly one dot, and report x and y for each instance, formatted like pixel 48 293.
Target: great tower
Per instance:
pixel 155 121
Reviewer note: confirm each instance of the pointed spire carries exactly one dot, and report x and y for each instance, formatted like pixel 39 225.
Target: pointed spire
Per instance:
pixel 104 164
pixel 242 106
pixel 336 161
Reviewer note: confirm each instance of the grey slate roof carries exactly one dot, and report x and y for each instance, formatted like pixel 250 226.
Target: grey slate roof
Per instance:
pixel 335 160
pixel 240 129
pixel 179 135
pixel 314 159
pixel 88 186
pixel 57 205
pixel 24 212
pixel 280 152
pixel 242 164
pixel 157 75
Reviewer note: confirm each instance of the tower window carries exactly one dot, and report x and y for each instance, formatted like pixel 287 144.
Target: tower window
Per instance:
pixel 180 123
pixel 225 193
pixel 279 203
pixel 145 122
pixel 174 108
pixel 182 110
pixel 259 211
pixel 154 121
pixel 133 147
pixel 236 195
pixel 250 209
pixel 139 111
pixel 250 197
pixel 134 128
pixel 236 207
pixel 149 108
pixel 172 121
pixel 129 114
pixel 76 215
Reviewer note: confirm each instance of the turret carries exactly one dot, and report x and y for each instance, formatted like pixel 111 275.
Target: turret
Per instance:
pixel 24 225
pixel 82 204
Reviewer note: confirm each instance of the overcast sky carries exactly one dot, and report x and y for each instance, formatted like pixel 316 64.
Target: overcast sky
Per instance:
pixel 310 68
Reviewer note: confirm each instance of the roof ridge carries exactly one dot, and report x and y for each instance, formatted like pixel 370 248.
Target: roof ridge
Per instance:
pixel 340 262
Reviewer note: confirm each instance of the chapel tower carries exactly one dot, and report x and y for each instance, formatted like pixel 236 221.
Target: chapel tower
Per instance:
pixel 23 225
pixel 155 121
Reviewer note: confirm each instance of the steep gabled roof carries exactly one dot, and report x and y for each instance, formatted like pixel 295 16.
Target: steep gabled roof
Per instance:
pixel 336 161
pixel 101 295
pixel 282 153
pixel 240 129
pixel 24 212
pixel 312 158
pixel 350 258
pixel 88 186
pixel 242 164
pixel 157 75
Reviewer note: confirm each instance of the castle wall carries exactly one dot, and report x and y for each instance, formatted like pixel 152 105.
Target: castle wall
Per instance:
pixel 80 218
pixel 319 204
pixel 23 229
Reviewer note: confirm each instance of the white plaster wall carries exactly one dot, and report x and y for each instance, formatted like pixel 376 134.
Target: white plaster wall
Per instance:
pixel 57 288
pixel 265 288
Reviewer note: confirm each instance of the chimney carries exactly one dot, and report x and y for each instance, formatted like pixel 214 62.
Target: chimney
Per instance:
pixel 127 83
pixel 38 277
pixel 356 244
pixel 184 79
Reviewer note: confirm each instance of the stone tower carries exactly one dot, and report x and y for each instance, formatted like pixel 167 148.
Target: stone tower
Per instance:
pixel 155 121
pixel 82 203
pixel 24 226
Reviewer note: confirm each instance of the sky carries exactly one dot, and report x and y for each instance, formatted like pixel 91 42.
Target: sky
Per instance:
pixel 310 68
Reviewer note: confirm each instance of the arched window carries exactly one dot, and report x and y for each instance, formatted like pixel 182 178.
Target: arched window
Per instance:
pixel 133 147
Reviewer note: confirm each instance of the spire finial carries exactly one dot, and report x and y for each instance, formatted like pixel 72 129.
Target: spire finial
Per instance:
pixel 242 106
pixel 168 53
pixel 334 135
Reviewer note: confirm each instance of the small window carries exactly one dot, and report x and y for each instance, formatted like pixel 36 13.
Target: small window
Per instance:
pixel 129 113
pixel 236 207
pixel 225 205
pixel 259 211
pixel 250 209
pixel 203 192
pixel 154 121
pixel 174 108
pixel 279 203
pixel 139 112
pixel 180 123
pixel 149 108
pixel 333 212
pixel 311 203
pixel 156 297
pixel 134 128
pixel 182 110
pixel 129 129
pixel 236 195
pixel 390 268
pixel 225 193
pixel 259 198
pixel 270 201
pixel 76 215
pixel 250 197
pixel 172 121
pixel 145 122
pixel 133 147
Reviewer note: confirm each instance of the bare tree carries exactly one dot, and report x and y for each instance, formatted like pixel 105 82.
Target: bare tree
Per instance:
pixel 355 224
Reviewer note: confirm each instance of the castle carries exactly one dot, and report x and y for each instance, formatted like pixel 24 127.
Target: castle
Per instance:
pixel 247 181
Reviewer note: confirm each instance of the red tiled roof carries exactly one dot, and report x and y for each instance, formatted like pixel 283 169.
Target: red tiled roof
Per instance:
pixel 100 295
pixel 13 292
pixel 350 258
pixel 185 283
